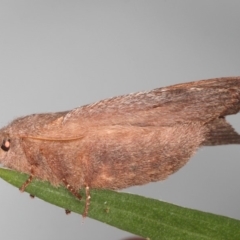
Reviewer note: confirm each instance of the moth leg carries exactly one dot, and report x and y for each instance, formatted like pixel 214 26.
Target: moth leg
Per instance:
pixel 67 211
pixel 29 180
pixel 71 189
pixel 87 202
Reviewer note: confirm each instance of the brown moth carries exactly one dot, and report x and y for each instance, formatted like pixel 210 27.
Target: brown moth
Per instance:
pixel 122 141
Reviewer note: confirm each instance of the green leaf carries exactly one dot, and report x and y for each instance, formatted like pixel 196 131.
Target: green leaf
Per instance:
pixel 142 216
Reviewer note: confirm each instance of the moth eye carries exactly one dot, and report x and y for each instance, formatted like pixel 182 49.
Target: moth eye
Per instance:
pixel 5 145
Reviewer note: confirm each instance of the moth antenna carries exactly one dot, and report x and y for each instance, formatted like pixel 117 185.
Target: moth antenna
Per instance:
pixel 71 189
pixel 87 202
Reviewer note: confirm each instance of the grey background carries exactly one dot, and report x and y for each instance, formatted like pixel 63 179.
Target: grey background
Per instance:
pixel 57 55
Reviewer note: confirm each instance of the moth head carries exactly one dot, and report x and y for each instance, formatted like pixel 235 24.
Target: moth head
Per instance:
pixel 5 145
pixel 12 155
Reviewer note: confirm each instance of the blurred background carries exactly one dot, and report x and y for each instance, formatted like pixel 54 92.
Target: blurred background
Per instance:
pixel 58 55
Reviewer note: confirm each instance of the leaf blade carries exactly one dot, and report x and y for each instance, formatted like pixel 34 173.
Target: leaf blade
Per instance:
pixel 136 214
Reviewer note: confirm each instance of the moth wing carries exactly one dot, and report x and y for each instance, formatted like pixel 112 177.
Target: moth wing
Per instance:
pixel 195 101
pixel 220 132
pixel 200 101
pixel 116 157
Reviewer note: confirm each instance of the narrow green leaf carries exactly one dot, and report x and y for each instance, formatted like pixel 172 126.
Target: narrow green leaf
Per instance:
pixel 142 216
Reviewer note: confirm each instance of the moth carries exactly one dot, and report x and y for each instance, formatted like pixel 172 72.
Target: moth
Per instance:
pixel 122 141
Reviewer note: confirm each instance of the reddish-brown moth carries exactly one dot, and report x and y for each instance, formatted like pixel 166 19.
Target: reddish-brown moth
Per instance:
pixel 122 141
